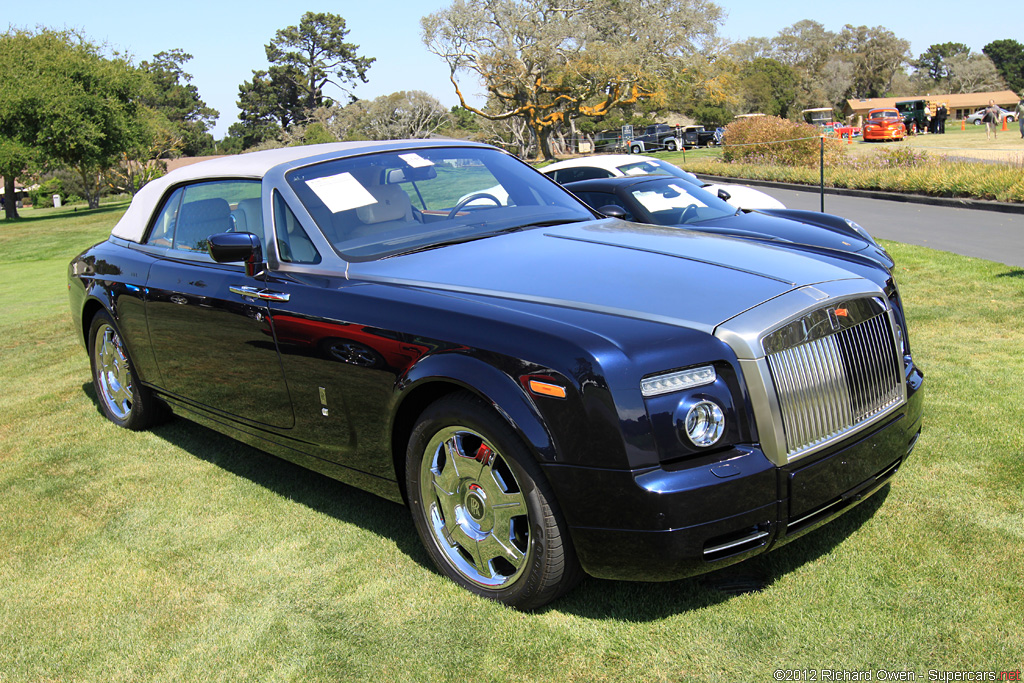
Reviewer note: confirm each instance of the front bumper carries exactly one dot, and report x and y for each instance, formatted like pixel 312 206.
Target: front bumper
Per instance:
pixel 661 524
pixel 884 135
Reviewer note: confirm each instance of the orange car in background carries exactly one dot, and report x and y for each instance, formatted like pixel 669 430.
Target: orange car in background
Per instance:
pixel 884 124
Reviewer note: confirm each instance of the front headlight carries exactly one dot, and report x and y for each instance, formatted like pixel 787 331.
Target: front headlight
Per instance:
pixel 704 423
pixel 665 383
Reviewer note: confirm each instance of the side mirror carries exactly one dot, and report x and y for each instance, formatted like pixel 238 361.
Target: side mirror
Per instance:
pixel 232 247
pixel 723 195
pixel 613 211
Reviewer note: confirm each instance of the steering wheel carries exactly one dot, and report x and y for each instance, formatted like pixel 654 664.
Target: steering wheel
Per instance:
pixel 689 213
pixel 471 198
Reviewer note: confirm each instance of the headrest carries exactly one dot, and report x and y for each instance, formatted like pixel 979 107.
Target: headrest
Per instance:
pixel 248 216
pixel 392 205
pixel 205 210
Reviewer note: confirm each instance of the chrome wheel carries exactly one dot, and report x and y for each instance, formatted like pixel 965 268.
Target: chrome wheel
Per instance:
pixel 475 510
pixel 124 400
pixel 113 372
pixel 482 506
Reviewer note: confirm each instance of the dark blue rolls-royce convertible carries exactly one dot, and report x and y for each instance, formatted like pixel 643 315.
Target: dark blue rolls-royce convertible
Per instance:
pixel 550 391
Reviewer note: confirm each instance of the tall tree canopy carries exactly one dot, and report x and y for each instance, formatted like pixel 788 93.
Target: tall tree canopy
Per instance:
pixel 856 62
pixel 547 62
pixel 1008 57
pixel 304 60
pixel 768 86
pixel 175 97
pixel 63 102
pixel 934 62
pixel 973 72
pixel 877 54
pixel 412 114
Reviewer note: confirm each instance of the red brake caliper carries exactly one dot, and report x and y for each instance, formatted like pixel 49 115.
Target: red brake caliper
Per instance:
pixel 483 454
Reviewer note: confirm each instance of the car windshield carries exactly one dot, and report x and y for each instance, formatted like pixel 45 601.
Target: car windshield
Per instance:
pixel 656 167
pixel 888 114
pixel 670 202
pixel 379 205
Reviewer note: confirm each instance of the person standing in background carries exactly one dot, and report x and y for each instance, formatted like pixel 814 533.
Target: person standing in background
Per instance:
pixel 940 118
pixel 1019 111
pixel 992 119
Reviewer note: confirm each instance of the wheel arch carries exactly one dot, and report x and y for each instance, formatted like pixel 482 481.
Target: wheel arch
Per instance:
pixel 437 376
pixel 90 307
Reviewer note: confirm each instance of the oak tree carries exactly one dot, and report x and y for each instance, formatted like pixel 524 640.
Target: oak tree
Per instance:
pixel 63 103
pixel 877 54
pixel 547 63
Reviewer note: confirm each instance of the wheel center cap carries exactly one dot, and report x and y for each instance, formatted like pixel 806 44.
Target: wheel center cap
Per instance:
pixel 475 504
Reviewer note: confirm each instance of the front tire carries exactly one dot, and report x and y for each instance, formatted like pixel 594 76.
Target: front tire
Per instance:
pixel 122 399
pixel 482 507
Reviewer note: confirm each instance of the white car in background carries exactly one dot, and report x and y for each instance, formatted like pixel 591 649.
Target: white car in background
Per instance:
pixel 618 165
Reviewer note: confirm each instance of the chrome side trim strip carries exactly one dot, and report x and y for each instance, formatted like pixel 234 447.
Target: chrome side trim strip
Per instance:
pixel 746 540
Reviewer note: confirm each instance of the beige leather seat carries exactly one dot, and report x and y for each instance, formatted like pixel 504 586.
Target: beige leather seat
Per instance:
pixel 392 209
pixel 392 205
pixel 200 219
pixel 248 217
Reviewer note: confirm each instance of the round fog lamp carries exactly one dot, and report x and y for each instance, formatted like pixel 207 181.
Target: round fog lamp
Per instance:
pixel 705 423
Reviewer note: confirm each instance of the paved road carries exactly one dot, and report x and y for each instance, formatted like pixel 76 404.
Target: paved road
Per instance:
pixel 985 234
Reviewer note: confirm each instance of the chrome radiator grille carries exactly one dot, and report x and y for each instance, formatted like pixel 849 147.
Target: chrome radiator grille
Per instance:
pixel 832 384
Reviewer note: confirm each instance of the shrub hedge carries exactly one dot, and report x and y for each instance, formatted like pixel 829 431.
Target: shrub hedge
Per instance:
pixel 775 141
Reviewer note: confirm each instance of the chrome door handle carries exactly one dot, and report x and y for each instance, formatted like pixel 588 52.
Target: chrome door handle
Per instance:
pixel 244 291
pixel 257 293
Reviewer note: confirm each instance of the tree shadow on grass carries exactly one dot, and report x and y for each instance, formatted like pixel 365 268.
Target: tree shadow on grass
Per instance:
pixel 592 599
pixel 1012 273
pixel 313 490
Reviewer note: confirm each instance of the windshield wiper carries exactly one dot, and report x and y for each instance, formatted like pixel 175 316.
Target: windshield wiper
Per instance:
pixel 442 243
pixel 544 224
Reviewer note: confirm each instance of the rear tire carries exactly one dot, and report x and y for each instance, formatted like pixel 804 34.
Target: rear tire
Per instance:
pixel 123 400
pixel 482 507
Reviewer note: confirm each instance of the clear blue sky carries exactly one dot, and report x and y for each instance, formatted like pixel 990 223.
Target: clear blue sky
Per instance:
pixel 227 38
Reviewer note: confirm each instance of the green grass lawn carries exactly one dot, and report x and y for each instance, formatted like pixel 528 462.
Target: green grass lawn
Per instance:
pixel 180 555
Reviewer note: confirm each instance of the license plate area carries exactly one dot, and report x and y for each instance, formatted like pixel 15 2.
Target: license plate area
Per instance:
pixel 846 473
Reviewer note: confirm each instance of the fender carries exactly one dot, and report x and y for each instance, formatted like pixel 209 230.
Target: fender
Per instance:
pixel 486 381
pixel 101 285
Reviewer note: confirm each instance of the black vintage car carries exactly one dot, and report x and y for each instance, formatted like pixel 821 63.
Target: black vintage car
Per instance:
pixel 664 200
pixel 549 391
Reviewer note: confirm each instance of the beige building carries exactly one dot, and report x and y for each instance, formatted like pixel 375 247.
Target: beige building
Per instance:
pixel 959 105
